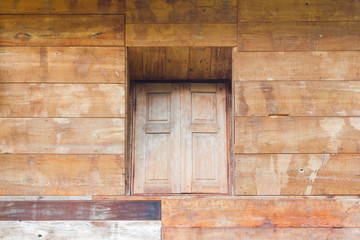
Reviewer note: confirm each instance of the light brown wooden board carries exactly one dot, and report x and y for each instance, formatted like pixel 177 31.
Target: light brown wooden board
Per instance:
pixel 177 62
pixel 297 98
pixel 224 211
pixel 298 10
pixel 260 233
pixel 148 35
pixel 81 230
pixel 62 174
pixel 297 135
pixel 62 135
pixel 160 11
pixel 297 174
pixel 331 65
pixel 154 63
pixel 62 64
pixel 199 63
pixel 65 30
pixel 62 7
pixel 62 100
pixel 295 36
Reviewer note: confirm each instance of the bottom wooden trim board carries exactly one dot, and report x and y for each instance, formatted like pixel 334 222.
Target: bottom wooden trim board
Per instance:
pixel 81 230
pixel 260 233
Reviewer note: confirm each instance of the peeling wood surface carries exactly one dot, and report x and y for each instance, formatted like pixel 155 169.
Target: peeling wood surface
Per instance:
pixel 298 10
pixel 297 98
pixel 62 64
pixel 260 233
pixel 297 174
pixel 297 135
pixel 62 7
pixel 79 210
pixel 298 36
pixel 260 212
pixel 65 30
pixel 62 135
pixel 331 65
pixel 81 230
pixel 62 100
pixel 147 35
pixel 61 175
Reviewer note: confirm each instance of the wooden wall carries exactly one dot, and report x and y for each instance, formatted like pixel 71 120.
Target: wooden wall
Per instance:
pixel 62 98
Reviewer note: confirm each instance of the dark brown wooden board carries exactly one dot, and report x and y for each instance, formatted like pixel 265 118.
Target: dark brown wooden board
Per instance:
pixel 79 210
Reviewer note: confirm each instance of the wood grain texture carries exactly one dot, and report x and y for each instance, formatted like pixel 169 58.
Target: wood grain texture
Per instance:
pixel 62 64
pixel 148 35
pixel 297 174
pixel 221 60
pixel 160 11
pixel 126 198
pixel 260 212
pixel 297 10
pixel 297 98
pixel 65 30
pixel 62 100
pixel 298 36
pixel 199 63
pixel 62 7
pixel 62 135
pixel 81 230
pixel 79 210
pixel 154 63
pixel 297 135
pixel 260 233
pixel 331 65
pixel 62 174
pixel 135 63
pixel 177 62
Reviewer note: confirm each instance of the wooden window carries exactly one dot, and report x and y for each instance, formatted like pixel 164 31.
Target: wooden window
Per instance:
pixel 180 138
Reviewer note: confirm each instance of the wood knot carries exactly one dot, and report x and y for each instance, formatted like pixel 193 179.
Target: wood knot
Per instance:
pixel 22 36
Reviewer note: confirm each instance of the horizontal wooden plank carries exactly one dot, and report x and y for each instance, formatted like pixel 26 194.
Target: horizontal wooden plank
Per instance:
pixel 332 65
pixel 159 11
pixel 148 35
pixel 260 233
pixel 62 64
pixel 81 230
pixel 297 174
pixel 298 36
pixel 126 198
pixel 65 30
pixel 62 174
pixel 297 10
pixel 260 212
pixel 45 198
pixel 297 98
pixel 62 100
pixel 62 7
pixel 62 135
pixel 297 135
pixel 79 210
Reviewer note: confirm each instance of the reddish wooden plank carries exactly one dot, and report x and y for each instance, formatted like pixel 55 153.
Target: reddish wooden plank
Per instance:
pixel 65 30
pixel 79 210
pixel 260 212
pixel 260 233
pixel 62 175
pixel 331 65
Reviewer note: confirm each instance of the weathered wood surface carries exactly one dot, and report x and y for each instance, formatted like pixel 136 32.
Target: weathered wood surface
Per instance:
pixel 331 65
pixel 62 64
pixel 126 198
pixel 297 98
pixel 62 174
pixel 45 198
pixel 79 210
pixel 297 174
pixel 62 135
pixel 295 36
pixel 81 230
pixel 62 7
pixel 297 135
pixel 65 30
pixel 188 11
pixel 147 35
pixel 297 10
pixel 179 63
pixel 260 233
pixel 62 100
pixel 260 212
